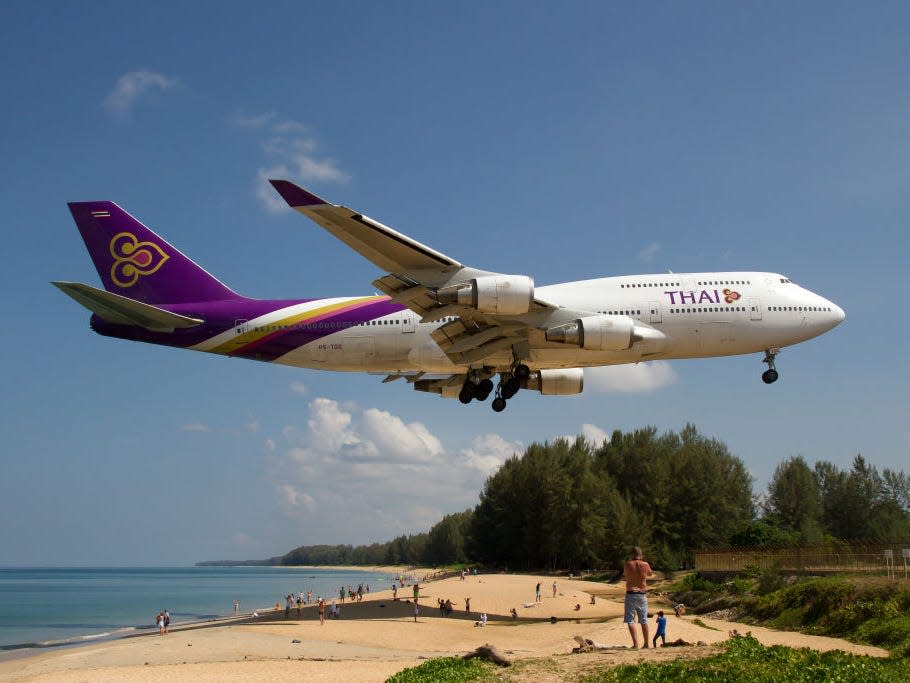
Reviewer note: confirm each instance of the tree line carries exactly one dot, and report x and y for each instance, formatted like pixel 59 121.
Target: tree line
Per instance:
pixel 577 505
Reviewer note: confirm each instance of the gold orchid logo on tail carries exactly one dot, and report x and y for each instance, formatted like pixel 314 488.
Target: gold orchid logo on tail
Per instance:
pixel 133 258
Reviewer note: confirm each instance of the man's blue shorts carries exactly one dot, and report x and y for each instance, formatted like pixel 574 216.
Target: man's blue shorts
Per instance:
pixel 636 603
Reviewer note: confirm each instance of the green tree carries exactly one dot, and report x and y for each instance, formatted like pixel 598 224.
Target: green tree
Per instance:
pixel 794 500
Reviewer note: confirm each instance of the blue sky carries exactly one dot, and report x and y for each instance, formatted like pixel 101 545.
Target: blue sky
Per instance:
pixel 564 142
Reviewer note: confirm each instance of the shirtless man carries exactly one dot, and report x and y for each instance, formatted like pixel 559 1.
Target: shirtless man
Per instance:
pixel 635 572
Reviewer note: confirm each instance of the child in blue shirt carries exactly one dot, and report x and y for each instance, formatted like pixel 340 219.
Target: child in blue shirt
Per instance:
pixel 661 630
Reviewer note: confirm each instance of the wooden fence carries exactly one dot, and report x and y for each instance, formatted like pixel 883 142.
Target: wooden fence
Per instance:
pixel 886 558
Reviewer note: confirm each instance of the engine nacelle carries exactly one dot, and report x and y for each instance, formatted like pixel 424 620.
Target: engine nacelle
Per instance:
pixel 496 294
pixel 556 382
pixel 596 333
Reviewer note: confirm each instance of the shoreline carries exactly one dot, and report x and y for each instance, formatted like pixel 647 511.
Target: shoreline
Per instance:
pixel 37 640
pixel 379 636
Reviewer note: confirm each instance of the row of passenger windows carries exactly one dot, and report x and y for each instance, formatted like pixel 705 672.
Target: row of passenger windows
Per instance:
pixel 725 282
pixel 798 308
pixel 326 325
pixel 620 312
pixel 709 309
pixel 650 284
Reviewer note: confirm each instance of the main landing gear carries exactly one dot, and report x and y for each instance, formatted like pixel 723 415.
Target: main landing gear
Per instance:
pixel 509 384
pixel 471 390
pixel 770 375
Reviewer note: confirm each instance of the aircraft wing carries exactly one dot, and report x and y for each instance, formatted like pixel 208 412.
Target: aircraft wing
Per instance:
pixel 419 278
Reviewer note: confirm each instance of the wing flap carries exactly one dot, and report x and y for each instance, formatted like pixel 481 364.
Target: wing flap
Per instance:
pixel 121 310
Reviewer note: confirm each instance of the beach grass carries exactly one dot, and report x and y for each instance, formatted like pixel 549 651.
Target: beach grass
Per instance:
pixel 445 670
pixel 745 659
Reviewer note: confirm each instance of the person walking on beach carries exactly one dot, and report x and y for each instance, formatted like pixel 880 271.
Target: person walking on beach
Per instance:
pixel 554 589
pixel 416 610
pixel 167 620
pixel 416 592
pixel 636 571
pixel 236 607
pixel 159 619
pixel 661 630
pixel 537 592
pixel 467 605
pixel 287 606
pixel 321 611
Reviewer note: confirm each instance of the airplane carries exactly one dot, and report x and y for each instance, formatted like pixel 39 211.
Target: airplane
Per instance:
pixel 444 327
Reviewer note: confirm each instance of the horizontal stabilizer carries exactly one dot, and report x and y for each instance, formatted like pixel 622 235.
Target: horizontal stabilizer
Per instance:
pixel 121 310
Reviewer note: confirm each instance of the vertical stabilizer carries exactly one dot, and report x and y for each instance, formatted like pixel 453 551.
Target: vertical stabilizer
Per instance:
pixel 134 262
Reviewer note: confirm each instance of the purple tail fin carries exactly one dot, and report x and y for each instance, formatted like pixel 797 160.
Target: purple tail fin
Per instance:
pixel 134 262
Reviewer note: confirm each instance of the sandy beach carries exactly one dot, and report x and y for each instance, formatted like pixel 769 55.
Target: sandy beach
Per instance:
pixel 377 637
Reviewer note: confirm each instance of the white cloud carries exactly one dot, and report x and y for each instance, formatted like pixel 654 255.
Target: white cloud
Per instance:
pixel 631 378
pixel 196 427
pixel 647 254
pixel 292 155
pixel 489 451
pixel 594 434
pixel 296 498
pixel 134 85
pixel 299 388
pixel 357 474
pixel 395 439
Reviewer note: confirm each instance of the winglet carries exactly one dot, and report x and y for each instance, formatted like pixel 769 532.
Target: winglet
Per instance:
pixel 296 196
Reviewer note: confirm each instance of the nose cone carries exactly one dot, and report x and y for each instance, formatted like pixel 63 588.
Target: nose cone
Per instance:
pixel 839 314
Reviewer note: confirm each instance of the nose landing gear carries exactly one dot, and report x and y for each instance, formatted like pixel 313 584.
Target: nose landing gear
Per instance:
pixel 770 375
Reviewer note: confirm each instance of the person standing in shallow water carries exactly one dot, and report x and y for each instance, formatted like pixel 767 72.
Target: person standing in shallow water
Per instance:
pixel 636 572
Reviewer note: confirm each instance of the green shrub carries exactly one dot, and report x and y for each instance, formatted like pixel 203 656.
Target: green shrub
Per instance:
pixel 698 582
pixel 745 659
pixel 445 670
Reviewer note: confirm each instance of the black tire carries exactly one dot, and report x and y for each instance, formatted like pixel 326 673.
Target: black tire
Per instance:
pixel 510 387
pixel 769 376
pixel 522 371
pixel 466 394
pixel 499 404
pixel 484 389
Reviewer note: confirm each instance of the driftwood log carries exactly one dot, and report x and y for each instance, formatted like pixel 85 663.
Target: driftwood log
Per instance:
pixel 490 653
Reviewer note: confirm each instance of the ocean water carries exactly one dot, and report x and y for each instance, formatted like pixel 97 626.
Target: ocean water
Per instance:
pixel 41 607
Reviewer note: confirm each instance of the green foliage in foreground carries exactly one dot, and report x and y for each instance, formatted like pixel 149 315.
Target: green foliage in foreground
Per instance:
pixel 445 670
pixel 869 612
pixel 745 659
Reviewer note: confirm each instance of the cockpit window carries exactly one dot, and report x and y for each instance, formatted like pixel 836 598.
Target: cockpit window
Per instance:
pixel 785 281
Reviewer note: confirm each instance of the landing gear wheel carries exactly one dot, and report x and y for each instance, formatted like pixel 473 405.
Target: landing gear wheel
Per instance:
pixel 483 390
pixel 466 393
pixel 769 376
pixel 499 404
pixel 522 371
pixel 510 387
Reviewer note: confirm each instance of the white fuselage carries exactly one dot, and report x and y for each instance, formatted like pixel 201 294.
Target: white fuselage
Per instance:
pixel 697 315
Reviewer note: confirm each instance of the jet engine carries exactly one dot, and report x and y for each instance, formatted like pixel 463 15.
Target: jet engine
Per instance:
pixel 495 294
pixel 596 333
pixel 562 382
